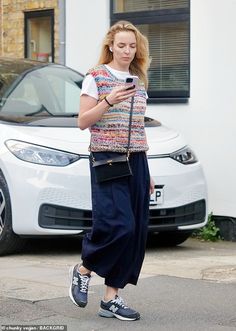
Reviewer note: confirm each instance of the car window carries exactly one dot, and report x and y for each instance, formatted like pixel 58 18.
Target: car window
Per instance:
pixel 51 90
pixel 151 122
pixel 65 91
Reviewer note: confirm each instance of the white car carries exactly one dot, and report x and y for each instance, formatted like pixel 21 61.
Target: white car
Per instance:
pixel 44 162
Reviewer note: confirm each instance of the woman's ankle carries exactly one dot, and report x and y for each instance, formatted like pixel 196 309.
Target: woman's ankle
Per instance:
pixel 110 294
pixel 83 271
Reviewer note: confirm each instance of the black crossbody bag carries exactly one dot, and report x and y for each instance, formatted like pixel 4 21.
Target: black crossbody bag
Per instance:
pixel 116 167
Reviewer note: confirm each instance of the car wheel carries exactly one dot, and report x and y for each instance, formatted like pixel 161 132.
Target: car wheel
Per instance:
pixel 169 238
pixel 9 241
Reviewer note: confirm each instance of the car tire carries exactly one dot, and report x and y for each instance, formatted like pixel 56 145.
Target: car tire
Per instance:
pixel 169 238
pixel 9 241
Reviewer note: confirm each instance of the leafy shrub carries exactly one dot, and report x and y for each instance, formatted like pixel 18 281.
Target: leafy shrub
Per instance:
pixel 210 232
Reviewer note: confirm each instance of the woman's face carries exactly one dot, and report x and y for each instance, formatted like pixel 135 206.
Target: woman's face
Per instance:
pixel 124 48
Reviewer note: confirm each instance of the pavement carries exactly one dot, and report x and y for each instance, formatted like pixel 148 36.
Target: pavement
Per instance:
pixel 190 287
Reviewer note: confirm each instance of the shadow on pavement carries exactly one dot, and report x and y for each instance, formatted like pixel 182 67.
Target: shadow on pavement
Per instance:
pixel 71 245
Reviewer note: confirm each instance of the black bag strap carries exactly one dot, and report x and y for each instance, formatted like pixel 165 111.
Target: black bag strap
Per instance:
pixel 130 123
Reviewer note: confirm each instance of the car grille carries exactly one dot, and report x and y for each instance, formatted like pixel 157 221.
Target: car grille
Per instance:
pixel 171 218
pixel 58 217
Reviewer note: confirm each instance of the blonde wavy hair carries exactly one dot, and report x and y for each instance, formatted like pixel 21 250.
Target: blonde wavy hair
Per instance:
pixel 140 63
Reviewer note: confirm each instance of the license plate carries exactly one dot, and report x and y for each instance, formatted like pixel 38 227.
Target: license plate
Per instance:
pixel 157 198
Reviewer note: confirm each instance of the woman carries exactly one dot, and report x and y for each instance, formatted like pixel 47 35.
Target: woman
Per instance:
pixel 116 245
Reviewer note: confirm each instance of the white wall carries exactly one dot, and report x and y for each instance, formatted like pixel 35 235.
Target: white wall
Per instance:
pixel 208 120
pixel 86 24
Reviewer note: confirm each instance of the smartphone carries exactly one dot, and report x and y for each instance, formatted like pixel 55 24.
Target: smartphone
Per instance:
pixel 132 82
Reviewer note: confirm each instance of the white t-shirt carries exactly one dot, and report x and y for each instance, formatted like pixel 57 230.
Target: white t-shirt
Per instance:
pixel 89 85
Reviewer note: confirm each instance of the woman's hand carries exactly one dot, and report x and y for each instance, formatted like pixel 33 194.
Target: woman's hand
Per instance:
pixel 152 186
pixel 91 111
pixel 119 94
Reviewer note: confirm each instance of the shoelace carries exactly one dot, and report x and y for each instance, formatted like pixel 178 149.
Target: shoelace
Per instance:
pixel 120 302
pixel 84 282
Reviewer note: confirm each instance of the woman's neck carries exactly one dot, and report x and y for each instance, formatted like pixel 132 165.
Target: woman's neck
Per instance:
pixel 118 67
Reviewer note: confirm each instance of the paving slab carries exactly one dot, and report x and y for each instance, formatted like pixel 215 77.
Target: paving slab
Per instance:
pixel 190 287
pixel 166 304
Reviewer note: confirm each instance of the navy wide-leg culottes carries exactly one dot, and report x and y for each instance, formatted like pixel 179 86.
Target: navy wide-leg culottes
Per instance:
pixel 115 247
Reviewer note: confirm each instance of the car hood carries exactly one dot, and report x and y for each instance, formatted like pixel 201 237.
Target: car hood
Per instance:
pixel 161 139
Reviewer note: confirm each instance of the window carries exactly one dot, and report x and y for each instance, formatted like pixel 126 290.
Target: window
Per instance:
pixel 48 90
pixel 166 23
pixel 39 40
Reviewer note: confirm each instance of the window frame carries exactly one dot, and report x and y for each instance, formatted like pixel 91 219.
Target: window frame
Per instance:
pixel 38 14
pixel 155 17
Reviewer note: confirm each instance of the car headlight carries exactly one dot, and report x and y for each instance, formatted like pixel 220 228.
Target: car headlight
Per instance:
pixel 184 156
pixel 40 154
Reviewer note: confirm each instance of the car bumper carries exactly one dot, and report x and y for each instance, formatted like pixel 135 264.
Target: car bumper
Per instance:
pixel 184 205
pixel 56 200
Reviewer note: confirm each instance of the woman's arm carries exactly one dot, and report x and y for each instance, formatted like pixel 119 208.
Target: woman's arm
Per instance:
pixel 90 111
pixel 152 183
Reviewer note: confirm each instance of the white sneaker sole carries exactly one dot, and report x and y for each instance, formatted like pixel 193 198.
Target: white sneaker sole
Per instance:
pixel 105 313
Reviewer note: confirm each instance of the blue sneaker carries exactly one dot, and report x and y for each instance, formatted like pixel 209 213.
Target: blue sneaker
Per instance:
pixel 117 308
pixel 78 290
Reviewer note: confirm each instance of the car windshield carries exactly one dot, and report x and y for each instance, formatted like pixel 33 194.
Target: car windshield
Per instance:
pixel 50 90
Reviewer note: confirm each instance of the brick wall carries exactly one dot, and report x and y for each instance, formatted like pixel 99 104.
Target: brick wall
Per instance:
pixel 12 25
